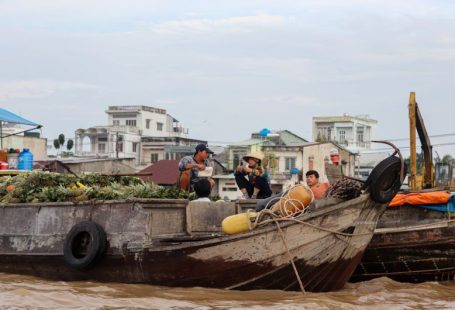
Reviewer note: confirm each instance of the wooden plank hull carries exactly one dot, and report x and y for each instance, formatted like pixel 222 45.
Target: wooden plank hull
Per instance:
pixel 419 249
pixel 326 246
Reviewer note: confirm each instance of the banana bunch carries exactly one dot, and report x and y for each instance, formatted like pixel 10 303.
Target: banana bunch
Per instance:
pixel 78 185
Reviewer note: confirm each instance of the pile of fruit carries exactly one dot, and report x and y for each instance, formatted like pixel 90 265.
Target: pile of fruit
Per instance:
pixel 37 187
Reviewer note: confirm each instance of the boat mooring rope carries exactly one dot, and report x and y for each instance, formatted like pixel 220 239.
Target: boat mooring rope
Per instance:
pixel 298 205
pixel 291 259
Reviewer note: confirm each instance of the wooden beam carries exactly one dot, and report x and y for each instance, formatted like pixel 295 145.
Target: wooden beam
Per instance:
pixel 412 138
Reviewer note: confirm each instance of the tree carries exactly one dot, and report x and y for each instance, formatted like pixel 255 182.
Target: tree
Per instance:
pixel 61 139
pixel 419 160
pixel 320 138
pixel 447 159
pixel 59 143
pixel 56 144
pixel 69 144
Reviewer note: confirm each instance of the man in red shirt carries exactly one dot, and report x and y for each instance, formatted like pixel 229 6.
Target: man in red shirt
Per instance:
pixel 318 189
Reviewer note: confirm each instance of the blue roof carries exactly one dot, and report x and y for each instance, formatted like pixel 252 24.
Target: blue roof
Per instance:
pixel 9 117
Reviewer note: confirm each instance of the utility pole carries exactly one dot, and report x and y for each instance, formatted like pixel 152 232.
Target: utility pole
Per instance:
pixel 116 144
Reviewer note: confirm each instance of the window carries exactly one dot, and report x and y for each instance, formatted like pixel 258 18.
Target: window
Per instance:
pixel 147 123
pixel 360 134
pixel 342 136
pixel 229 189
pixel 119 147
pixel 153 158
pixel 324 133
pixel 116 122
pixel 101 148
pixel 237 157
pixel 289 163
pixel 131 122
pixel 134 147
pixel 159 126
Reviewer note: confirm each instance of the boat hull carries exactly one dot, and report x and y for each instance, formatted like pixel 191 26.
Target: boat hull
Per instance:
pixel 325 244
pixel 410 245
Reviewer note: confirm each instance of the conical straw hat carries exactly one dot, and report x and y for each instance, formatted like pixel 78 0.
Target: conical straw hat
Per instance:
pixel 257 155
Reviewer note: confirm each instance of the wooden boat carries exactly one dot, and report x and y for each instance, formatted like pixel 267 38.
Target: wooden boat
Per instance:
pixel 147 244
pixel 411 244
pixel 176 243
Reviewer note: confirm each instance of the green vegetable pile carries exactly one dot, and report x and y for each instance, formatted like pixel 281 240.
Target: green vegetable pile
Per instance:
pixel 37 187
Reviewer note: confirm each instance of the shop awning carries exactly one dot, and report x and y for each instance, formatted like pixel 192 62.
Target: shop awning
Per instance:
pixel 7 116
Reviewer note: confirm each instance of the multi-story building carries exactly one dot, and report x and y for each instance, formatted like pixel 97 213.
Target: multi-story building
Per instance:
pixel 145 133
pixel 352 132
pixel 283 157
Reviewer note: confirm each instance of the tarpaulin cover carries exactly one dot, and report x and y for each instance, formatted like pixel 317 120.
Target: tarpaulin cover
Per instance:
pixel 9 117
pixel 446 207
pixel 427 198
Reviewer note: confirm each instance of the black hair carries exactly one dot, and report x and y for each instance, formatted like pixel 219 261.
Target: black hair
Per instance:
pixel 312 172
pixel 202 187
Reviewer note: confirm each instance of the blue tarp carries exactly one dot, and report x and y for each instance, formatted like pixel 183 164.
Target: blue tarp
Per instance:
pixel 445 207
pixel 9 117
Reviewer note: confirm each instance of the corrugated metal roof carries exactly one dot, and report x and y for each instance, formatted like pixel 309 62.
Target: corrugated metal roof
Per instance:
pixel 164 172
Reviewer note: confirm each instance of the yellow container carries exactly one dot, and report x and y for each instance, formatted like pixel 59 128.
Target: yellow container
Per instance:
pixel 238 223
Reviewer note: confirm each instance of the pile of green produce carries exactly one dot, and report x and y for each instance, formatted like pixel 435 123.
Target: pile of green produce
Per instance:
pixel 37 187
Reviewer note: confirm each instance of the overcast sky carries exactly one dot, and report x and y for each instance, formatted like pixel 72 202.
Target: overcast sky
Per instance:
pixel 225 69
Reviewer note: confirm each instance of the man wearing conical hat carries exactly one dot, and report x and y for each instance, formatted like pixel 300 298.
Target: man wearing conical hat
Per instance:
pixel 252 179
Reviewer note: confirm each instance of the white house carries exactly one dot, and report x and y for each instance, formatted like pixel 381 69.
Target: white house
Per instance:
pixel 352 132
pixel 142 132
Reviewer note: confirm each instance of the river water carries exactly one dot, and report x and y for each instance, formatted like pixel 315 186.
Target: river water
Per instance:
pixel 19 292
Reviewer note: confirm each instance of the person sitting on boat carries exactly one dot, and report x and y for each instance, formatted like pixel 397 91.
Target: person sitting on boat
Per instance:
pixel 202 188
pixel 252 179
pixel 190 166
pixel 312 180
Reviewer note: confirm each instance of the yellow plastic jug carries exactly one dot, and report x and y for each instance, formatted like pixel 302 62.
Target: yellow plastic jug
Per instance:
pixel 238 223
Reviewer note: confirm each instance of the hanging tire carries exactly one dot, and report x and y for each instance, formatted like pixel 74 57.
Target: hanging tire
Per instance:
pixel 384 180
pixel 84 245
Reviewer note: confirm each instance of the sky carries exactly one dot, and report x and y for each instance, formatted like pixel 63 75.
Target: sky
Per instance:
pixel 226 69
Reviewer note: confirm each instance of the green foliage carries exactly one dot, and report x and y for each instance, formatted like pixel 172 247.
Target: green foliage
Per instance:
pixel 321 138
pixel 69 144
pixel 447 159
pixel 54 187
pixel 56 144
pixel 59 143
pixel 419 160
pixel 61 139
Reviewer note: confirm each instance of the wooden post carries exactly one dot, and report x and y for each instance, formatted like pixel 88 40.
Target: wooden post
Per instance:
pixel 412 138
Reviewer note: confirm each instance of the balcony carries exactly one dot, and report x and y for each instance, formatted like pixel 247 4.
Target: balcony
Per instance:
pixel 181 130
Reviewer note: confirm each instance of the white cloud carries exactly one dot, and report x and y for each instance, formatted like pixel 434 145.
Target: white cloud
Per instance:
pixel 37 88
pixel 232 24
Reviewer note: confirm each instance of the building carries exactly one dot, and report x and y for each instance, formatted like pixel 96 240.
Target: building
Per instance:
pixel 108 166
pixel 283 157
pixel 317 156
pixel 13 135
pixel 352 132
pixel 146 133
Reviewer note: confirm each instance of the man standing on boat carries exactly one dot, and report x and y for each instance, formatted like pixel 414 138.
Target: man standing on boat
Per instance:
pixel 252 179
pixel 312 180
pixel 190 166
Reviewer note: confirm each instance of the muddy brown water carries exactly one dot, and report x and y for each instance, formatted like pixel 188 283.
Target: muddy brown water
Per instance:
pixel 23 292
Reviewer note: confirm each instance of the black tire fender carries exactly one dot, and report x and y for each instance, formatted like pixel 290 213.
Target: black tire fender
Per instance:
pixel 85 245
pixel 384 181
